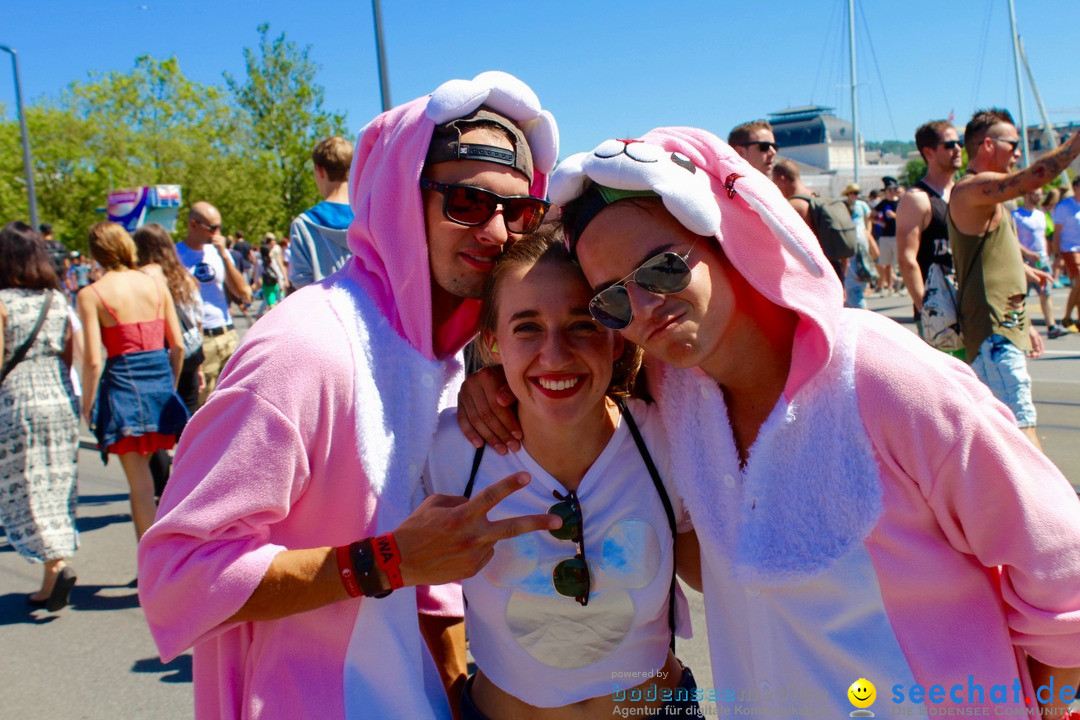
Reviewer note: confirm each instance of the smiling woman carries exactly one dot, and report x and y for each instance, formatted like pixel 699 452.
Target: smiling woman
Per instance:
pixel 543 276
pixel 555 616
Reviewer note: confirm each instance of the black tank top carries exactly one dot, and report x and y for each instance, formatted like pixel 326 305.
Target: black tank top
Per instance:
pixel 934 240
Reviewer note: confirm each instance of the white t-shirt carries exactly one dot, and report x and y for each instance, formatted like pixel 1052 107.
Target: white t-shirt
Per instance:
pixel 209 269
pixel 532 642
pixel 1031 229
pixel 1067 214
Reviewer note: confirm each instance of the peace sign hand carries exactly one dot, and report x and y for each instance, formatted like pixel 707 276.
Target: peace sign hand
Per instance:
pixel 448 538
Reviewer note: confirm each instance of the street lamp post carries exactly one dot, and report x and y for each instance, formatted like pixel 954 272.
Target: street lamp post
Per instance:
pixel 30 192
pixel 380 52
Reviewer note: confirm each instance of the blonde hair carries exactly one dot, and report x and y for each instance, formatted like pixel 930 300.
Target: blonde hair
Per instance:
pixel 334 155
pixel 112 247
pixel 155 245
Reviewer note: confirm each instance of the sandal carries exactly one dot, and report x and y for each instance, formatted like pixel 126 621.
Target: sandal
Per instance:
pixel 61 592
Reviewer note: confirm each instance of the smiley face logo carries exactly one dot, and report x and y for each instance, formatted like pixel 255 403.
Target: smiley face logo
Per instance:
pixel 862 693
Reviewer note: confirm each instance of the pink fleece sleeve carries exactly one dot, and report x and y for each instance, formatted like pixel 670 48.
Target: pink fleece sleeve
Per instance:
pixel 210 546
pixel 1002 500
pixel 993 494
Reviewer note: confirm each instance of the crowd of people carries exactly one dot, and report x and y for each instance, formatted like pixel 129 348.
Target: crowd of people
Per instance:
pixel 160 310
pixel 671 373
pixel 1008 250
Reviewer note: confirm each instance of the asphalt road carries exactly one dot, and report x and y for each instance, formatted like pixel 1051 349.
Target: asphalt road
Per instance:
pixel 95 659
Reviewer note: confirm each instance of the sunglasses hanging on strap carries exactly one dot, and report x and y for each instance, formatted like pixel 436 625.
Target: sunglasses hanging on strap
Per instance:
pixel 657 483
pixel 570 577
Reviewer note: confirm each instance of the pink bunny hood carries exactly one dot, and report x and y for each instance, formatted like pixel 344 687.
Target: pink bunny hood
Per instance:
pixel 387 234
pixel 714 192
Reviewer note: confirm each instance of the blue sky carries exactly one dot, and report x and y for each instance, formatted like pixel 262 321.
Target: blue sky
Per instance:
pixel 604 69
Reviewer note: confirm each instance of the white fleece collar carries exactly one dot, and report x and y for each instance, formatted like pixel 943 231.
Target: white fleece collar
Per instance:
pixel 398 393
pixel 810 489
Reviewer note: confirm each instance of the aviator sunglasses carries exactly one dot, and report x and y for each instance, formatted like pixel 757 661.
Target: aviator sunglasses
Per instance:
pixel 571 576
pixel 472 206
pixel 663 274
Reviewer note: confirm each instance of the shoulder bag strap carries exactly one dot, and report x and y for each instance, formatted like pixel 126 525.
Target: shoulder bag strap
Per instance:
pixel 472 473
pixel 468 490
pixel 20 352
pixel 185 323
pixel 664 499
pixel 971 266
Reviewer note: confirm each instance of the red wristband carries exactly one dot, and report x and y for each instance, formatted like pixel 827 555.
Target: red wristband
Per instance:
pixel 345 570
pixel 388 559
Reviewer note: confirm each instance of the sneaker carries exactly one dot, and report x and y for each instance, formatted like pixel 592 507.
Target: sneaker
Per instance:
pixel 1072 328
pixel 1056 331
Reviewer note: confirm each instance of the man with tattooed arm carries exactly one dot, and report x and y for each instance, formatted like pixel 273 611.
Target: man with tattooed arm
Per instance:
pixel 991 273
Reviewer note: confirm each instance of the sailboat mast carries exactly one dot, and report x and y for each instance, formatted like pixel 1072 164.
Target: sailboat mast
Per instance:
pixel 1048 127
pixel 854 90
pixel 1019 85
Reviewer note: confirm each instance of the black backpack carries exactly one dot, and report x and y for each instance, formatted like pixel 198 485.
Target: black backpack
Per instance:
pixel 832 224
pixel 269 275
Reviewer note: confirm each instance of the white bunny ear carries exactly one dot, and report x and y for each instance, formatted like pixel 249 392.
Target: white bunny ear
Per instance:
pixel 504 94
pixel 688 195
pixel 543 136
pixel 568 180
pixel 454 99
pixel 509 95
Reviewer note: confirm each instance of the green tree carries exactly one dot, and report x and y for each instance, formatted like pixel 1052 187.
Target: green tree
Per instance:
pixel 897 147
pixel 246 151
pixel 154 125
pixel 67 187
pixel 285 107
pixel 914 169
pixel 13 204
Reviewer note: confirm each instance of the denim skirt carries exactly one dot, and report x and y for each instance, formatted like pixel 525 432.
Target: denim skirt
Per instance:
pixel 135 397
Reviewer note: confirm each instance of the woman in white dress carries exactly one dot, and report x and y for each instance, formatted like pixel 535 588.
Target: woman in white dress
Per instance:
pixel 39 415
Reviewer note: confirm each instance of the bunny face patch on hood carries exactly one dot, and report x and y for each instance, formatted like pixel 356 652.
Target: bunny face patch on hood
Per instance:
pixel 710 190
pixel 388 233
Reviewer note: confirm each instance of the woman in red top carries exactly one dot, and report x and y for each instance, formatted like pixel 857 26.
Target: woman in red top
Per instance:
pixel 134 410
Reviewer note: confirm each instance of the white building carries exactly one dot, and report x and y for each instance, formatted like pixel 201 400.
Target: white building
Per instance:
pixel 821 144
pixel 1039 144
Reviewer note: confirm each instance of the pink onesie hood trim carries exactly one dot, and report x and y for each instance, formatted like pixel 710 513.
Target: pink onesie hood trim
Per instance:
pixel 387 234
pixel 724 197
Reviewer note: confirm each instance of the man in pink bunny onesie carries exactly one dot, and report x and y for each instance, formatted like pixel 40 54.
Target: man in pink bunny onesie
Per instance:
pixel 865 508
pixel 281 468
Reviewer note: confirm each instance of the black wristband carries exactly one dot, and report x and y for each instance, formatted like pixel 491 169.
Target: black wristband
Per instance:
pixel 362 556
